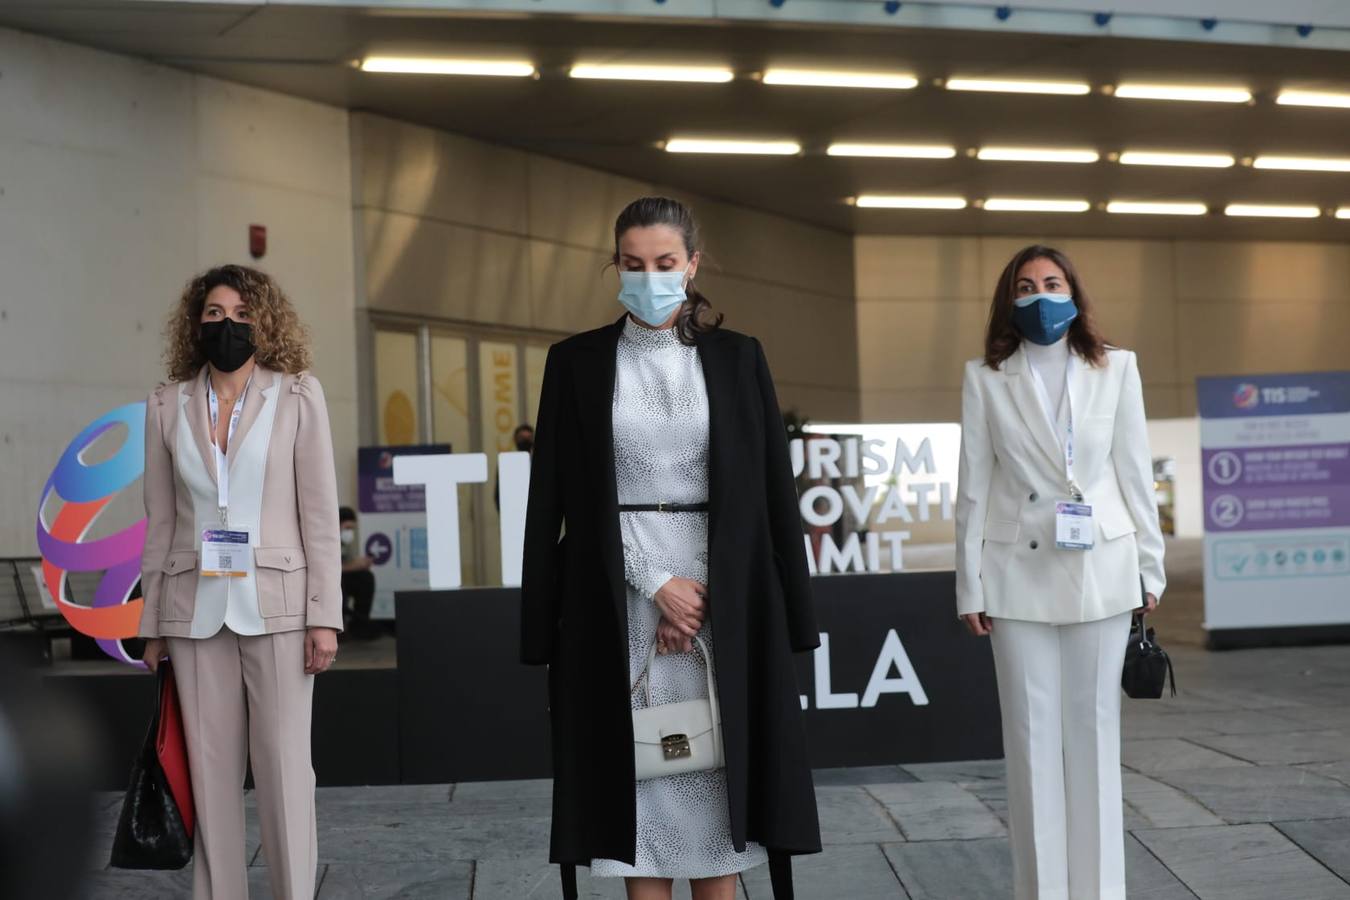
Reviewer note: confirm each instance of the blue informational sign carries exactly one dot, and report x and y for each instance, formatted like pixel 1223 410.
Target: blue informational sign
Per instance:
pixel 393 524
pixel 1276 456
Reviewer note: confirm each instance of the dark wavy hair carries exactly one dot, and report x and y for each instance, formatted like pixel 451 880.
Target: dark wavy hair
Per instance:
pixel 697 316
pixel 1002 339
pixel 282 340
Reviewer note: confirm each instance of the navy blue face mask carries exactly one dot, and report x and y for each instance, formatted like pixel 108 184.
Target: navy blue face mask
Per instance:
pixel 1044 318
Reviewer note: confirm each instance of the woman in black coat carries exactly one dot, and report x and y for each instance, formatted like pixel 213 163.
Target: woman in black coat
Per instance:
pixel 666 401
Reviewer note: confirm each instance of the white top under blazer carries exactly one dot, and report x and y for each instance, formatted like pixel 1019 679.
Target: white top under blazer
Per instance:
pixel 1012 473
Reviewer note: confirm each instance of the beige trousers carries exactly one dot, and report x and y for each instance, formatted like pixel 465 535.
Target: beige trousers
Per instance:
pixel 248 699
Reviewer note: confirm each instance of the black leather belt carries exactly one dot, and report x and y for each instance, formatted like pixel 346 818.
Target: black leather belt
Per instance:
pixel 663 507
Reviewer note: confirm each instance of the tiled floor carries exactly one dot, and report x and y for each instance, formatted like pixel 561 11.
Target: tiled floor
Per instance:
pixel 1239 789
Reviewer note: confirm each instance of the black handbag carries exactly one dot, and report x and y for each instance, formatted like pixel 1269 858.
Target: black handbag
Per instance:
pixel 1147 665
pixel 152 832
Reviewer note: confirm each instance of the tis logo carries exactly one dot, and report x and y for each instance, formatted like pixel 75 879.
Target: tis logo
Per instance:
pixel 1247 396
pixel 83 491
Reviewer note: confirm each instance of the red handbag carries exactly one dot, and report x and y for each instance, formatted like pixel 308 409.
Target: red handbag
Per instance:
pixel 171 748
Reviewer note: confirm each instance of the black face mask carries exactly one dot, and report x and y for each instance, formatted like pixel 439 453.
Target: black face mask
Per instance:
pixel 525 445
pixel 227 344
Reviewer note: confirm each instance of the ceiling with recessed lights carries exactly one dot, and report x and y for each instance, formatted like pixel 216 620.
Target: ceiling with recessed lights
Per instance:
pixel 908 154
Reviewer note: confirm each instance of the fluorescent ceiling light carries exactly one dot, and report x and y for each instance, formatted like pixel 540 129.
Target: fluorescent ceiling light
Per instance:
pixel 1313 98
pixel 894 151
pixel 702 145
pixel 1151 158
pixel 409 65
pixel 1131 91
pixel 1156 209
pixel 1303 163
pixel 702 74
pixel 1037 154
pixel 896 81
pixel 883 201
pixel 1343 212
pixel 1024 204
pixel 1017 87
pixel 1263 209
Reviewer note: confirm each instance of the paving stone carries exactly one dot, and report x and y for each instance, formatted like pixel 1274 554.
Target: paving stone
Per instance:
pixel 953 870
pixel 850 815
pixel 1248 862
pixel 123 884
pixel 931 811
pixel 415 794
pixel 390 834
pixel 1241 721
pixel 1340 771
pixel 863 869
pixel 1327 840
pixel 1263 793
pixel 1148 879
pixel 960 772
pixel 1317 718
pixel 860 775
pixel 404 881
pixel 1289 748
pixel 1166 754
pixel 503 790
pixel 1157 805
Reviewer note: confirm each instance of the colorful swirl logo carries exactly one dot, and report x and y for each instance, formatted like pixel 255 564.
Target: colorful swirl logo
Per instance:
pixel 83 491
pixel 1246 396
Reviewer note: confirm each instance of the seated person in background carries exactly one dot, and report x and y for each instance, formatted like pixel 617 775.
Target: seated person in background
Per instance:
pixel 358 581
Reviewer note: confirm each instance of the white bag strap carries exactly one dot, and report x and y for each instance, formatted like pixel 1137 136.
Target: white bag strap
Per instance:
pixel 646 673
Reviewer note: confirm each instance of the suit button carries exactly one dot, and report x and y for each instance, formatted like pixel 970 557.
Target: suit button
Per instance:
pixel 313 599
pixel 287 558
pixel 1035 544
pixel 1034 496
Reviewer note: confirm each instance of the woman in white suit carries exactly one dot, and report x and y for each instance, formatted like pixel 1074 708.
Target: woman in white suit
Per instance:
pixel 1057 542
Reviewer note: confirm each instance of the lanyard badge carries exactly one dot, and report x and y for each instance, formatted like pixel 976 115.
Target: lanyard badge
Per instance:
pixel 222 464
pixel 1073 518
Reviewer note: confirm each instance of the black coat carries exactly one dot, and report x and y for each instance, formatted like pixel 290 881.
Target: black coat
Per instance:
pixel 574 602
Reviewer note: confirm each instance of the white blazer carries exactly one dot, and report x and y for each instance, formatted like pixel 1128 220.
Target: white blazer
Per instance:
pixel 1012 473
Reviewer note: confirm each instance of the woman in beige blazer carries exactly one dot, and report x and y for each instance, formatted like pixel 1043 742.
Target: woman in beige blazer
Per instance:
pixel 242 567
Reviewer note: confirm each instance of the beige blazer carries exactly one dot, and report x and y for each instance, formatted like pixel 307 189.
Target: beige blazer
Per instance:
pixel 283 489
pixel 1012 473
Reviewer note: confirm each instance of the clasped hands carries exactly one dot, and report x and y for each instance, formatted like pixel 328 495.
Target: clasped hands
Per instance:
pixel 683 603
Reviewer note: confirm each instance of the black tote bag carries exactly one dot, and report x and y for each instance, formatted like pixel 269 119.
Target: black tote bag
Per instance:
pixel 151 832
pixel 1147 666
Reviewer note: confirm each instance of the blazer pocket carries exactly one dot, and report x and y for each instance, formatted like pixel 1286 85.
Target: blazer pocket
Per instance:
pixel 282 578
pixel 1002 532
pixel 1116 526
pixel 178 586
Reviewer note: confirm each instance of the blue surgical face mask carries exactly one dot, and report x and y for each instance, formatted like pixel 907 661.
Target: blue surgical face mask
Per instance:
pixel 1044 318
pixel 651 296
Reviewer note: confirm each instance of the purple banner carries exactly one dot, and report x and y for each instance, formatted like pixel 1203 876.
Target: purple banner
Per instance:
pixel 376 490
pixel 1255 483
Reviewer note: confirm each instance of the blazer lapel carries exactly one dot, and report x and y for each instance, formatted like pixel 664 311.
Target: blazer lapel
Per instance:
pixel 199 421
pixel 263 380
pixel 594 379
pixel 1022 386
pixel 721 378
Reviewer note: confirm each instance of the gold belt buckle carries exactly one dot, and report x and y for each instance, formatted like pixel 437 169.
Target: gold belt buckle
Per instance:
pixel 661 506
pixel 676 746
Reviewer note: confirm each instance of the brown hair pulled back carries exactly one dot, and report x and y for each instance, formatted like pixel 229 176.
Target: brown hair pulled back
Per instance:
pixel 697 315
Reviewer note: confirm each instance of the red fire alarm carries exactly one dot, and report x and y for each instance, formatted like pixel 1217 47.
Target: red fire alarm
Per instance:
pixel 257 241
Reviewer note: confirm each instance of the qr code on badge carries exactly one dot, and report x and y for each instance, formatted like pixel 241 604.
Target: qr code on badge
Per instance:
pixel 1075 533
pixel 226 561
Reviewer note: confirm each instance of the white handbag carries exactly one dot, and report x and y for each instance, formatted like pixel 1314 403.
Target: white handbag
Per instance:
pixel 675 738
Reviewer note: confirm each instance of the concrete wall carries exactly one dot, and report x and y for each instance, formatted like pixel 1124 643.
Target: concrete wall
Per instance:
pixel 1188 308
pixel 452 228
pixel 119 180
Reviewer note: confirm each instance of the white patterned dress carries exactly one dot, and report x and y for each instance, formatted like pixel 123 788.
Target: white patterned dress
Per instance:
pixel 661 454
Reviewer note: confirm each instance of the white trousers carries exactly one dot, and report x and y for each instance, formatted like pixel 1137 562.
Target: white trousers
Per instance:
pixel 1059 692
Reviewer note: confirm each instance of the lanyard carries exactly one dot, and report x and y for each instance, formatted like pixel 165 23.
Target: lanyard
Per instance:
pixel 222 466
pixel 1074 490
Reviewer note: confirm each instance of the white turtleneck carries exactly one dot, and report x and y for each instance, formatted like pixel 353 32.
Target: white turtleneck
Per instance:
pixel 1050 363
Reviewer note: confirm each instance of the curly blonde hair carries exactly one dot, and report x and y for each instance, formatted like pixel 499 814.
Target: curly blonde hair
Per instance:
pixel 282 340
